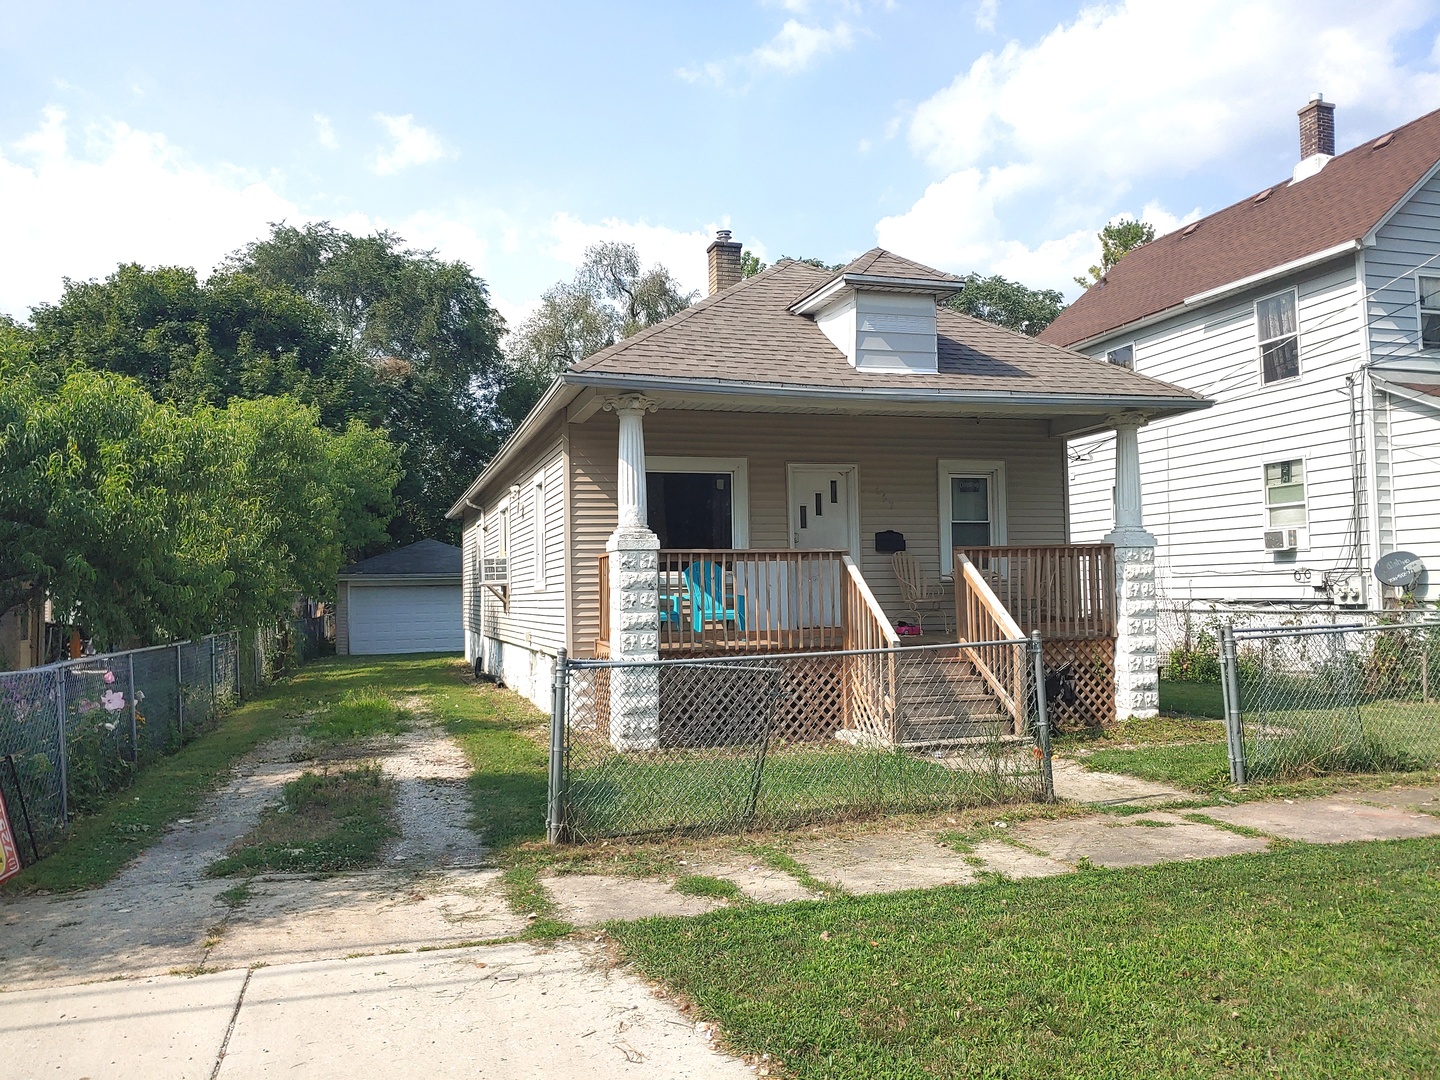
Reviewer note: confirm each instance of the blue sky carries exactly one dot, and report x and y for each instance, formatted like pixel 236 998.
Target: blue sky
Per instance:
pixel 987 135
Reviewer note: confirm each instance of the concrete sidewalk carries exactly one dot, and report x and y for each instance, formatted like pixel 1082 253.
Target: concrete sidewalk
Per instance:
pixel 499 1011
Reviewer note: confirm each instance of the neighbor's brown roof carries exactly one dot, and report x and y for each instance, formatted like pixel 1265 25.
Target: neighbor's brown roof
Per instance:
pixel 1341 203
pixel 747 333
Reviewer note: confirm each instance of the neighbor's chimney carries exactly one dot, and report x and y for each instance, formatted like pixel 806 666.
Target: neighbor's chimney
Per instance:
pixel 1317 128
pixel 724 262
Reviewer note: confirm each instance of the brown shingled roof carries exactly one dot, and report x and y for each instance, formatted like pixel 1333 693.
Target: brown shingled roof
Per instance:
pixel 1341 203
pixel 747 333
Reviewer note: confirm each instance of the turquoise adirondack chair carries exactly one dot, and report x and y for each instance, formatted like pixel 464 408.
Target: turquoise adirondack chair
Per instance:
pixel 705 582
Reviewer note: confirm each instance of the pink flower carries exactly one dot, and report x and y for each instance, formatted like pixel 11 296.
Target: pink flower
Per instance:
pixel 109 677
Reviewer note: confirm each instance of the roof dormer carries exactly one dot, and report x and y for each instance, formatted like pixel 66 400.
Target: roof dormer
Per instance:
pixel 880 312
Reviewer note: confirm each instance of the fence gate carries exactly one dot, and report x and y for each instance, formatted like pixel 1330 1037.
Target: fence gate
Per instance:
pixel 1300 701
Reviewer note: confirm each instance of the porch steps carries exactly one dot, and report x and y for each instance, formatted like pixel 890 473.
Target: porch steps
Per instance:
pixel 943 701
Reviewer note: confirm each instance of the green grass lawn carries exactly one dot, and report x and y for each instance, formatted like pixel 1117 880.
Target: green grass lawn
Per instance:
pixel 1305 962
pixel 1191 699
pixel 715 789
pixel 359 714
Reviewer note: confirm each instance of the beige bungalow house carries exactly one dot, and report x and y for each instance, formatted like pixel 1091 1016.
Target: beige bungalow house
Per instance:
pixel 737 479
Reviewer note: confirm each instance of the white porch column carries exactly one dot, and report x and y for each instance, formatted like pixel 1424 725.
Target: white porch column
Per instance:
pixel 1137 685
pixel 634 590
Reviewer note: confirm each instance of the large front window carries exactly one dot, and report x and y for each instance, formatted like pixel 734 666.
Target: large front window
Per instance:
pixel 691 509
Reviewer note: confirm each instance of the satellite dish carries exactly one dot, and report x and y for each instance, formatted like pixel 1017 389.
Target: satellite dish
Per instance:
pixel 1399 568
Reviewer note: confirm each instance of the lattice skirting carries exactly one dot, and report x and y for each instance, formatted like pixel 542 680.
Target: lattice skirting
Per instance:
pixel 1094 670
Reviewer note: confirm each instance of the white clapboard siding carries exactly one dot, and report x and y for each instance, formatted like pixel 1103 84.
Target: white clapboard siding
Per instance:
pixel 1202 473
pixel 897 461
pixel 1407 431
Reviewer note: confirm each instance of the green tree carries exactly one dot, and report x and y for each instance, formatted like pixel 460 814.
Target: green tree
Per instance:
pixel 1117 240
pixel 423 331
pixel 1007 303
pixel 611 297
pixel 750 263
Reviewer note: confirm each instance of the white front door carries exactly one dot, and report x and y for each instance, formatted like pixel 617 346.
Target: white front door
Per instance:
pixel 822 514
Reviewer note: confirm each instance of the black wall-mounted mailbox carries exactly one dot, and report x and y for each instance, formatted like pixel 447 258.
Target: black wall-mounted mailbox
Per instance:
pixel 889 541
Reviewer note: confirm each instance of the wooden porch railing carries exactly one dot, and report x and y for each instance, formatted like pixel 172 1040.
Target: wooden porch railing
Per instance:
pixel 1066 591
pixel 871 705
pixel 602 639
pixel 729 600
pixel 980 616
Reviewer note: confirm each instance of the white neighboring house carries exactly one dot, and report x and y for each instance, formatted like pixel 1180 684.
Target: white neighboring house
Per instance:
pixel 1310 313
pixel 404 601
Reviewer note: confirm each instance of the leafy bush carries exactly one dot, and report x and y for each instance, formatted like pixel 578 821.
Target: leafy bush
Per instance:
pixel 1200 664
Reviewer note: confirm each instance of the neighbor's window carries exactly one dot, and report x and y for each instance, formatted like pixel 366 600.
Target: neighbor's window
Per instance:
pixel 1285 494
pixel 542 569
pixel 1277 329
pixel 1124 357
pixel 1430 312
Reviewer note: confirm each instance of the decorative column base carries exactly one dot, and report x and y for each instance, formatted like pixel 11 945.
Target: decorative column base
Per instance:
pixel 1137 673
pixel 634 636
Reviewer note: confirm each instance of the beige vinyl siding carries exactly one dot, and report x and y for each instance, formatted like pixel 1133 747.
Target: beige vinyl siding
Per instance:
pixel 533 618
pixel 1406 463
pixel 342 618
pixel 897 464
pixel 1202 473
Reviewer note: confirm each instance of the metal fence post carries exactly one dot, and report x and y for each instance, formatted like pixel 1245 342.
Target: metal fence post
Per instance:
pixel 179 695
pixel 554 818
pixel 134 720
pixel 1230 691
pixel 1042 718
pixel 211 640
pixel 62 704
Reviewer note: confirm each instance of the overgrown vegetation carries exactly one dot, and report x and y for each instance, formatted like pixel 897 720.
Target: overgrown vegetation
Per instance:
pixel 1308 961
pixel 363 713
pixel 329 820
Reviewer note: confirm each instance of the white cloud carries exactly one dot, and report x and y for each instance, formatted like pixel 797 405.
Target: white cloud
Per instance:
pixel 325 132
pixel 1055 136
pixel 413 145
pixel 796 46
pixel 127 196
pixel 985 13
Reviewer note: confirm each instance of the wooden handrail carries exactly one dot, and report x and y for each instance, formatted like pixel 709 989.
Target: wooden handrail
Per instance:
pixel 980 616
pixel 870 679
pixel 1066 591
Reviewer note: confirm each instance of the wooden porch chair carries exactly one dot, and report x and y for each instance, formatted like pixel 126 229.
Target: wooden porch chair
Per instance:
pixel 705 582
pixel 920 591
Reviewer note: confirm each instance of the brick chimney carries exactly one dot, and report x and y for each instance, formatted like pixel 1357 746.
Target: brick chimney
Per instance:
pixel 1317 128
pixel 724 256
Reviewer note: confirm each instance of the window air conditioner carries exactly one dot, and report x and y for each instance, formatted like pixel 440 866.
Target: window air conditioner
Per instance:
pixel 1281 540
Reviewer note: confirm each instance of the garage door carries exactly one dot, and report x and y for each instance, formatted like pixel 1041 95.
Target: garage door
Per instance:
pixel 405 618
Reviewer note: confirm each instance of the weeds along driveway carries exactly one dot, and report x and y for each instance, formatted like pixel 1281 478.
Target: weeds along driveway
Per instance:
pixel 163 913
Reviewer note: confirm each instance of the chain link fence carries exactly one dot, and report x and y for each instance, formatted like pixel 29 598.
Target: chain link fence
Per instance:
pixel 1301 701
pixel 73 731
pixel 725 744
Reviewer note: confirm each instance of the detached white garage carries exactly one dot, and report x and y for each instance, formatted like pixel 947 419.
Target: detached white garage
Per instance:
pixel 403 601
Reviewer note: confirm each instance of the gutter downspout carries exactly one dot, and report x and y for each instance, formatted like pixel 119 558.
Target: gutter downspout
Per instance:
pixel 1371 507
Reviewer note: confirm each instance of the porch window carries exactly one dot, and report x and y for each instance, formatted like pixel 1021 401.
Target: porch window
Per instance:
pixel 1277 330
pixel 1285 495
pixel 1429 312
pixel 972 507
pixel 691 510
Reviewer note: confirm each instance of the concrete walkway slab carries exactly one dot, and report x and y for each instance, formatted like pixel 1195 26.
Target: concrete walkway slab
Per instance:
pixel 292 919
pixel 1138 841
pixel 142 1030
pixel 1075 783
pixel 501 1012
pixel 1012 862
pixel 757 881
pixel 885 862
pixel 1412 798
pixel 592 899
pixel 1329 821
